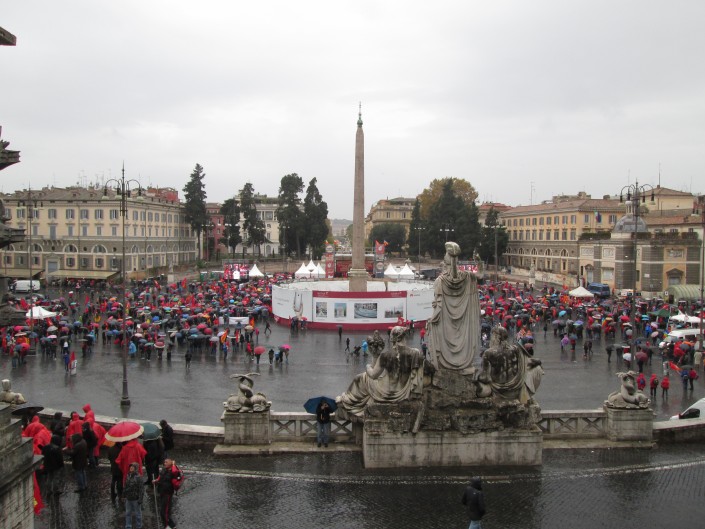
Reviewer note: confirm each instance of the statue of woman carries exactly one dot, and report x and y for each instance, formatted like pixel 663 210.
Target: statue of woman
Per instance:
pixel 396 376
pixel 453 330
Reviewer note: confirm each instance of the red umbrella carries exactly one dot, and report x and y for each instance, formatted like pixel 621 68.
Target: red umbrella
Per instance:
pixel 259 349
pixel 124 431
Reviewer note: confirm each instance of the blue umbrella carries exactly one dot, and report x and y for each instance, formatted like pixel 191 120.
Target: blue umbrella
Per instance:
pixel 562 313
pixel 312 404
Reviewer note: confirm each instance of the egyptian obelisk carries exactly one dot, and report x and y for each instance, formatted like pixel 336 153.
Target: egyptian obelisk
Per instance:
pixel 357 274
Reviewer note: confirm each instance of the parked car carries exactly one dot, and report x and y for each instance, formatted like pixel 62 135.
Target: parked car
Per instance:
pixel 601 290
pixel 695 411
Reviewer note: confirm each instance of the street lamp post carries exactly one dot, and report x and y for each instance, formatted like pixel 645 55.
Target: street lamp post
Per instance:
pixel 418 232
pixel 635 196
pixel 123 191
pixel 701 312
pixel 446 228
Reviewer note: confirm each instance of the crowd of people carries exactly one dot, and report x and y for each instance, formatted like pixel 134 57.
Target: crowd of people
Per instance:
pixel 83 442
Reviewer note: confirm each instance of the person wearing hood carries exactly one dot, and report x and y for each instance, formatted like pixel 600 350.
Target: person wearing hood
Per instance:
pixel 132 452
pixel 474 501
pixel 90 416
pixel 79 460
pixel 75 427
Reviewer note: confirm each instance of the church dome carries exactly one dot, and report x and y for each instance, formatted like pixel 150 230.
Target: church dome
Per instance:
pixel 626 225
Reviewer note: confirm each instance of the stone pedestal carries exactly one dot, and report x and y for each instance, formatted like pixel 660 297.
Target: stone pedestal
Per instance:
pixel 17 463
pixel 246 428
pixel 357 280
pixel 628 424
pixel 451 448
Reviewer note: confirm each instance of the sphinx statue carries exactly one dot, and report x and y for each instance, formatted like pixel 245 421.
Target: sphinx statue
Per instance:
pixel 245 400
pixel 9 396
pixel 628 396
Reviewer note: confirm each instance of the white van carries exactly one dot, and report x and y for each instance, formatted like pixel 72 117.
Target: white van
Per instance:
pixel 23 285
pixel 689 335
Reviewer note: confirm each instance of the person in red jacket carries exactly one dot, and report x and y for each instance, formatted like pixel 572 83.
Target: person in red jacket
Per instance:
pixel 132 452
pixel 665 384
pixel 75 427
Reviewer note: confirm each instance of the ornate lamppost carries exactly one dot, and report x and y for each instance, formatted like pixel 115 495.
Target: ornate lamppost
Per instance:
pixel 701 211
pixel 419 229
pixel 635 196
pixel 447 229
pixel 123 192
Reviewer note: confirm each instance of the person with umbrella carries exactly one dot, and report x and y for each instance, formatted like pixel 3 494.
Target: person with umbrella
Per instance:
pixel 132 452
pixel 323 423
pixel 134 493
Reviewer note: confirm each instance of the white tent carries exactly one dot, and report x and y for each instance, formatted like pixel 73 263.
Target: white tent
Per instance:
pixel 406 272
pixel 391 272
pixel 581 292
pixel 320 271
pixel 302 271
pixel 39 313
pixel 254 271
pixel 311 266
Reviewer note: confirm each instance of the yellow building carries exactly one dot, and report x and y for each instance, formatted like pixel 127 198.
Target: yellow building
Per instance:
pixel 76 232
pixel 390 210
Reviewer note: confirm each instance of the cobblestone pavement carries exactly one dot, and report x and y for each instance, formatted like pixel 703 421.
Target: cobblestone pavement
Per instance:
pixel 318 365
pixel 573 489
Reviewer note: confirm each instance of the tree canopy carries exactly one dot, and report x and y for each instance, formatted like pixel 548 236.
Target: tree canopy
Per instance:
pixel 291 219
pixel 230 210
pixel 392 233
pixel 430 196
pixel 195 203
pixel 491 231
pixel 254 228
pixel 316 215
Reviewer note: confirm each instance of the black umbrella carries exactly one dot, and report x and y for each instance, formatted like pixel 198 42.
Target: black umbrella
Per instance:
pixel 312 404
pixel 26 409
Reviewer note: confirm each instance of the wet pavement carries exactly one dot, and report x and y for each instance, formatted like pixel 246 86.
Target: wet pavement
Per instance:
pixel 318 365
pixel 573 489
pixel 576 489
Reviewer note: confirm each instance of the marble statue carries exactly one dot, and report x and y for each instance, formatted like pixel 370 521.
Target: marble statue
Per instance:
pixel 508 371
pixel 453 330
pixel 246 401
pixel 396 376
pixel 628 396
pixel 9 396
pixel 9 314
pixel 375 343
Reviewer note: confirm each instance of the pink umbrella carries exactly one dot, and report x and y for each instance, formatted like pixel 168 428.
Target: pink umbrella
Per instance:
pixel 124 431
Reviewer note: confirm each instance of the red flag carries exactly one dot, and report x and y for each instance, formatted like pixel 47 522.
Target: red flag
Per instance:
pixel 88 299
pixel 38 503
pixel 156 285
pixel 23 304
pixel 673 366
pixel 184 283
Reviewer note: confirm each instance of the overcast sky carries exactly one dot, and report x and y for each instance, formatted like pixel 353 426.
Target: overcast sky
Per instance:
pixel 524 99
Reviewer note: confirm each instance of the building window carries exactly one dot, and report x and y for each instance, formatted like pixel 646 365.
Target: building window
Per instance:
pixel 564 219
pixel 52 233
pixel 548 221
pixel 99 230
pixel 84 214
pixel 548 235
pixel 114 214
pixel 143 216
pixel 521 235
pixel 556 235
pixel 51 213
pixel 521 222
pixel 403 214
pixel 533 235
pixel 150 217
pixel 573 235
pixel 613 218
pixel 540 235
pixel 98 214
pixel 163 217
pixel 565 235
pixel 99 262
pixel 70 262
pixel 533 221
pixel 113 230
pixel 70 214
pixel 586 218
pixel 21 213
pixel 70 231
pixel 541 221
pixel 573 219
pixel 268 215
pixel 556 220
pixel 84 231
pixel 135 215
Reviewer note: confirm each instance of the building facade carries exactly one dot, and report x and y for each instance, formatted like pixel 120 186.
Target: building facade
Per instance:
pixel 76 232
pixel 390 211
pixel 267 212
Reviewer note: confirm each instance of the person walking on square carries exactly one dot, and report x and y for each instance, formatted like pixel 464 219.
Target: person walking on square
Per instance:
pixel 347 345
pixel 692 376
pixel 665 384
pixel 323 423
pixel 653 384
pixel 79 460
pixel 134 494
pixel 474 501
pixel 609 349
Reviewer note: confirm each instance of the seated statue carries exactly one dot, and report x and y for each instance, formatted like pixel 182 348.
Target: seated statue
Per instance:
pixel 9 396
pixel 508 371
pixel 396 376
pixel 627 396
pixel 246 401
pixel 375 343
